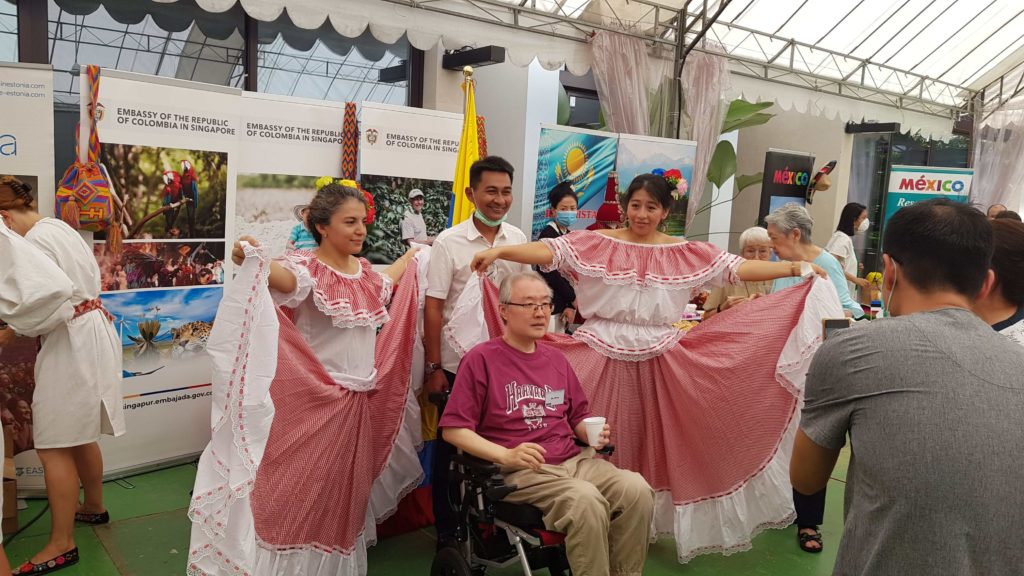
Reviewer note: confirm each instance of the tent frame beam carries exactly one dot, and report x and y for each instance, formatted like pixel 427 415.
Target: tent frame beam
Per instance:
pixel 661 24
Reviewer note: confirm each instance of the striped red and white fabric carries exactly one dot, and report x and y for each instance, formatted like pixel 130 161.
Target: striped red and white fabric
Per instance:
pixel 354 302
pixel 285 488
pixel 710 421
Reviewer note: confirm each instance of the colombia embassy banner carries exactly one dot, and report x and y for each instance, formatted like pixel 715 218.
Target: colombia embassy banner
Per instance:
pixel 169 148
pixel 582 157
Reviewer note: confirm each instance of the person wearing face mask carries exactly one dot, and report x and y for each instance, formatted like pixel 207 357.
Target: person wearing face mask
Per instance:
pixel 853 220
pixel 563 202
pixel 930 400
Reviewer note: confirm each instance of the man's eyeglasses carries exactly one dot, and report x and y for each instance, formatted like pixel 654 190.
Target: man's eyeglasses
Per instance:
pixel 531 306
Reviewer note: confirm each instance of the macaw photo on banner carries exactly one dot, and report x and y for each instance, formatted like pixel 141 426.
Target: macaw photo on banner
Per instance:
pixel 169 193
pixel 582 157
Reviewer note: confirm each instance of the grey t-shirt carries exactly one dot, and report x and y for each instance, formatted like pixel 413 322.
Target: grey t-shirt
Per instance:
pixel 933 406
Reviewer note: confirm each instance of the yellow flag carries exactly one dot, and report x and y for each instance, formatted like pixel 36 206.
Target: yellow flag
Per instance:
pixel 469 152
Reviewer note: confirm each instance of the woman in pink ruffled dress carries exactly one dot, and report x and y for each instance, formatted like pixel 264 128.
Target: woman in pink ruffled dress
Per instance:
pixel 706 416
pixel 314 423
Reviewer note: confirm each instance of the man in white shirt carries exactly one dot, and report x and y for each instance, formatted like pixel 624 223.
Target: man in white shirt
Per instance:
pixel 490 190
pixel 414 229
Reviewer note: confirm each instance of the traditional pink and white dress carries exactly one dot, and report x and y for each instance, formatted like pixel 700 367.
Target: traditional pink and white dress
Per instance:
pixel 314 424
pixel 708 416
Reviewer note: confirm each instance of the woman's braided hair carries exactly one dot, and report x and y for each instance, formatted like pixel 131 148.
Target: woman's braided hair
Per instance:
pixel 15 194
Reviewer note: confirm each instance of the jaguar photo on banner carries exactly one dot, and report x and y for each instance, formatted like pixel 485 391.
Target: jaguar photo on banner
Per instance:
pixel 582 157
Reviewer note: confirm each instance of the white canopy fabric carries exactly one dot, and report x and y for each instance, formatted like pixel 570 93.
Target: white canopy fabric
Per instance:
pixel 934 53
pixel 453 23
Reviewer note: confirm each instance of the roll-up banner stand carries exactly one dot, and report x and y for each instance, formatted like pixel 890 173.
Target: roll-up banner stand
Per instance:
pixel 787 175
pixel 168 147
pixel 26 152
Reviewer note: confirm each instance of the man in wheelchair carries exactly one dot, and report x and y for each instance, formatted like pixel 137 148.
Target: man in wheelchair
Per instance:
pixel 517 403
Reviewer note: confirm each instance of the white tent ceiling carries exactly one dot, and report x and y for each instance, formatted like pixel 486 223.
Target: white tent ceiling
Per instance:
pixel 915 58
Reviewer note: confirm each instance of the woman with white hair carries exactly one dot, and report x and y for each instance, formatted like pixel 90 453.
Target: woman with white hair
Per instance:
pixel 755 244
pixel 789 228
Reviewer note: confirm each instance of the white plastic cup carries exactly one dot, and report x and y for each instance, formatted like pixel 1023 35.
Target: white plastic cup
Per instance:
pixel 595 425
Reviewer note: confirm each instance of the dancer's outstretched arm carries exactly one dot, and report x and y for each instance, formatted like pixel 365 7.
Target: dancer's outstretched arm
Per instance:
pixel 280 279
pixel 760 271
pixel 534 253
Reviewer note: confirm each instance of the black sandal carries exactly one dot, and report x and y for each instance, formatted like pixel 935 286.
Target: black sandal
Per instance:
pixel 69 558
pixel 94 519
pixel 804 539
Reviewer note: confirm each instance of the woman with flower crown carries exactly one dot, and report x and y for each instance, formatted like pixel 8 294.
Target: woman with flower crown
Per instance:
pixel 310 445
pixel 706 416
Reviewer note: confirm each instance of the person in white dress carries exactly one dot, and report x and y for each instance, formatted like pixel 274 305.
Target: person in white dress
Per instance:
pixel 311 444
pixel 852 221
pixel 1001 303
pixel 78 381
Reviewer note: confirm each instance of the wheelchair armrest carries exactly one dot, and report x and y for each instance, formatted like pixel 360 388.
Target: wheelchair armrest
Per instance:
pixel 498 493
pixel 608 449
pixel 477 465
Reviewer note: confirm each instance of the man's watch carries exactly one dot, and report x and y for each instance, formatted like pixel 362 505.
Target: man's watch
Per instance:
pixel 431 367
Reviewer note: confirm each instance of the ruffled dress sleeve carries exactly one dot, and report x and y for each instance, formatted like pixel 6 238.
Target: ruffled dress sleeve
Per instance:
pixel 682 266
pixel 297 263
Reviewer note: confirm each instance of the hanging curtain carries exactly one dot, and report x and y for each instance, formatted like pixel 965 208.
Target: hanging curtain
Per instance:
pixel 998 149
pixel 620 72
pixel 704 82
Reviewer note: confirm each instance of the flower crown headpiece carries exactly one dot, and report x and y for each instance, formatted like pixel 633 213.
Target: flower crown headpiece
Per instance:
pixel 371 210
pixel 676 180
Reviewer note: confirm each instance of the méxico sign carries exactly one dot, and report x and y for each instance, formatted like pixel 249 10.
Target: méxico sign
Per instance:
pixel 909 185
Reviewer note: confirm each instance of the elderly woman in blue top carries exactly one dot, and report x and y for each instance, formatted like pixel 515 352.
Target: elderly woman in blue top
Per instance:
pixel 789 229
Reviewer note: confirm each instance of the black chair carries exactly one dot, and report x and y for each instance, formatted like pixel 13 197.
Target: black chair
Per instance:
pixel 493 533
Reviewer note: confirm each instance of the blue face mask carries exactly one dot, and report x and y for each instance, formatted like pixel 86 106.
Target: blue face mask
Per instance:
pixel 566 218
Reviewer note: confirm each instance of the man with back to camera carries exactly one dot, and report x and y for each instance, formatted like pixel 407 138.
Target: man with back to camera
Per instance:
pixel 931 399
pixel 490 191
pixel 518 403
pixel 414 228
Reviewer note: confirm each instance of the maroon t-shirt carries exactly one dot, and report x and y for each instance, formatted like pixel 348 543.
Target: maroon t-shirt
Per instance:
pixel 510 397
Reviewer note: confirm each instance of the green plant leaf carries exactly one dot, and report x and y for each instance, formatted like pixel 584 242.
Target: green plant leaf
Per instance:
pixel 744 180
pixel 755 119
pixel 564 109
pixel 740 108
pixel 723 163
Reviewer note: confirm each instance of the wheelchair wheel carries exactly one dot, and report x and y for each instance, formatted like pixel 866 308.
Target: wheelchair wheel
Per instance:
pixel 449 562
